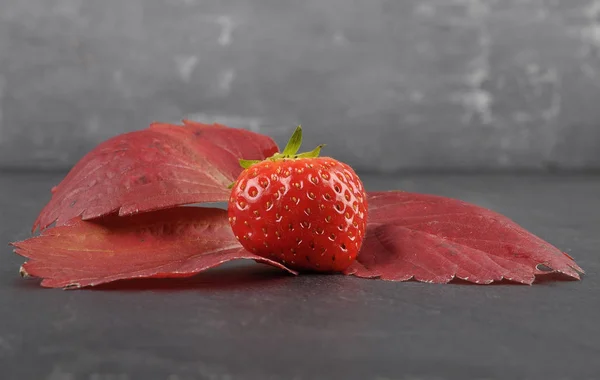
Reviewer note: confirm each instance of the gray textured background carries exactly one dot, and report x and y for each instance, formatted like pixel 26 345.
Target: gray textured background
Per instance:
pixel 387 84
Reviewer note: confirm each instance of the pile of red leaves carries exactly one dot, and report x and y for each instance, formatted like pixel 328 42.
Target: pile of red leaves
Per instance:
pixel 119 214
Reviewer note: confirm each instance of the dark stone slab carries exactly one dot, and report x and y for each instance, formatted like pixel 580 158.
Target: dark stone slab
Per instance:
pixel 249 322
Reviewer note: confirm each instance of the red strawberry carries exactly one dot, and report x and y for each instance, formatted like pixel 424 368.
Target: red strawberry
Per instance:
pixel 305 211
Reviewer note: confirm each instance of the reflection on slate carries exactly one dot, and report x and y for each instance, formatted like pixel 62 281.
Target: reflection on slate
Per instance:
pixel 388 85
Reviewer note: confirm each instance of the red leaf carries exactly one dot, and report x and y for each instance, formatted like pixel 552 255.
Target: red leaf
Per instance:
pixel 160 167
pixel 435 239
pixel 177 242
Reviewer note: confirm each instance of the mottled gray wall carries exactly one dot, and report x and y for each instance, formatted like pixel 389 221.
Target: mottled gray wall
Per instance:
pixel 387 84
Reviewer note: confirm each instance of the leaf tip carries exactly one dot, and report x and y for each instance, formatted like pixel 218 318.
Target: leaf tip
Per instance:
pixel 23 272
pixel 294 143
pixel 247 163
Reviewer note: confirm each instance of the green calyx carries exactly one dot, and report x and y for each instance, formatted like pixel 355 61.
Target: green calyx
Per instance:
pixel 289 152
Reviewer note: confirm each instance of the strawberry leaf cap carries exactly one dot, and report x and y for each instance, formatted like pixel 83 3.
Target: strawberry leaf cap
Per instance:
pixel 289 152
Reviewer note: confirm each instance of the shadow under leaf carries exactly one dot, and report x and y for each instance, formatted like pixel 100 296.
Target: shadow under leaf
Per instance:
pixel 225 277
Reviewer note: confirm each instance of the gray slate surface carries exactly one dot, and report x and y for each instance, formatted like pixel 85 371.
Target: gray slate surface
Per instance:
pixel 387 84
pixel 249 322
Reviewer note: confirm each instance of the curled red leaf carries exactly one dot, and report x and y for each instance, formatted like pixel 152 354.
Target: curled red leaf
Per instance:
pixel 436 239
pixel 162 166
pixel 178 242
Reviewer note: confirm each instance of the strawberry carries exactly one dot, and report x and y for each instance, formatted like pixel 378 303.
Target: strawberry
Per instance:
pixel 304 211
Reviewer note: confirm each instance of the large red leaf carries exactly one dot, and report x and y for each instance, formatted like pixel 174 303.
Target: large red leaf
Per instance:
pixel 160 167
pixel 435 239
pixel 177 242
